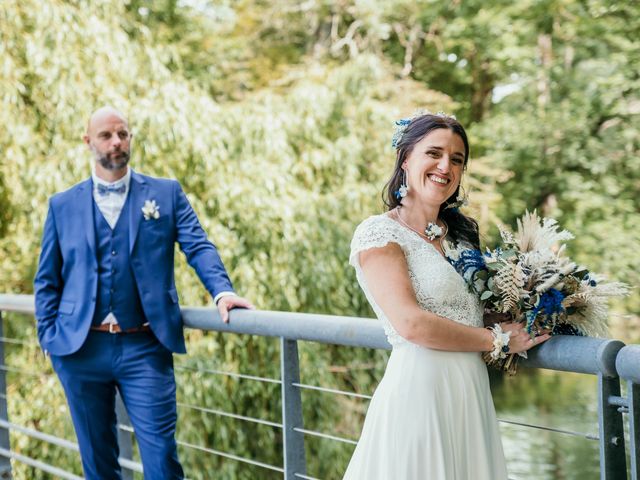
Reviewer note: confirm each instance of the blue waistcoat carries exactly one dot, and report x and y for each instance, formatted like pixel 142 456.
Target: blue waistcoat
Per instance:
pixel 117 288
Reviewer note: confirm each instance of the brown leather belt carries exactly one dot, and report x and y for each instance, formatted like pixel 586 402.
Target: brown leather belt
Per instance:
pixel 115 328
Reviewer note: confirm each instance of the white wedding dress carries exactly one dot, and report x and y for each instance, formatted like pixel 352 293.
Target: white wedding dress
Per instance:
pixel 432 415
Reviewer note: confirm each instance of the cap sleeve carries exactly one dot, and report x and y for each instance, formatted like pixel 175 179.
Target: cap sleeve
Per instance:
pixel 376 232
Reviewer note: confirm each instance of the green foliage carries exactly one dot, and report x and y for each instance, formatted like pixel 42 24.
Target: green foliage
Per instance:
pixel 276 118
pixel 569 139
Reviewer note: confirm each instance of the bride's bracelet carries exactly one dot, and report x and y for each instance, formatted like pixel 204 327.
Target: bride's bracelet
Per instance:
pixel 500 342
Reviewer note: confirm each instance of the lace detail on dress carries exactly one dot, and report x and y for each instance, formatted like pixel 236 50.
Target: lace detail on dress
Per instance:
pixel 437 285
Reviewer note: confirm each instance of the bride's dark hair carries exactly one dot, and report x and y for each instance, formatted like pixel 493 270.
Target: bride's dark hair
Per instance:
pixel 461 227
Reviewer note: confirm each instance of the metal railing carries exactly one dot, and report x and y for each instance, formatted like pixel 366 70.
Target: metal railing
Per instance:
pixel 607 359
pixel 628 367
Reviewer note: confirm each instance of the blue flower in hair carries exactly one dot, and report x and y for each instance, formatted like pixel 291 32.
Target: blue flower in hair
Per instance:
pixel 402 124
pixel 400 127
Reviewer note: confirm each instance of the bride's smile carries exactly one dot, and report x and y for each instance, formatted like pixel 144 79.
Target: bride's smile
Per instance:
pixel 434 168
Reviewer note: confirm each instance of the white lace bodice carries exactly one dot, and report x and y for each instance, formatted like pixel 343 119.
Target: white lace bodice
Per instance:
pixel 437 285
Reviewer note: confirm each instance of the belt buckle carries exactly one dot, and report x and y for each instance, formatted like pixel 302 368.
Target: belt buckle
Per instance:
pixel 111 326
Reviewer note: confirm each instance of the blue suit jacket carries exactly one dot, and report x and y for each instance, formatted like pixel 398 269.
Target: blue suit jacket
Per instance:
pixel 67 279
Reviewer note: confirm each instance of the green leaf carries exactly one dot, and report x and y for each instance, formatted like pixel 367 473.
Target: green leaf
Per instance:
pixel 486 295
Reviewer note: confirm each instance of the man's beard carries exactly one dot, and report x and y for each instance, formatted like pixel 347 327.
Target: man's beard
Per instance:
pixel 110 162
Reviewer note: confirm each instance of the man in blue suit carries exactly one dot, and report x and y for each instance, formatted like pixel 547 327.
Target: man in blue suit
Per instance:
pixel 106 302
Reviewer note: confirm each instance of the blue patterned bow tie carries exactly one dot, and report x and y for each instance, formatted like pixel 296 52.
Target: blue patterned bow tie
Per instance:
pixel 106 190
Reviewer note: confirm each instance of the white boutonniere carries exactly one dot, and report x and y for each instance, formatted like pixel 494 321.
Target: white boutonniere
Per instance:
pixel 151 210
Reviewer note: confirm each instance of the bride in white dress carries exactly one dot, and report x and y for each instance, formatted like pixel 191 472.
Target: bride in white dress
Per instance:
pixel 432 415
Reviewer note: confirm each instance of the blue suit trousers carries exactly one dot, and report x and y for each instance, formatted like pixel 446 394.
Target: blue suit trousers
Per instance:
pixel 141 368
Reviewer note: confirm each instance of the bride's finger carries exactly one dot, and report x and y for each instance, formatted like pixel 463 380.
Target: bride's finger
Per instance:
pixel 542 338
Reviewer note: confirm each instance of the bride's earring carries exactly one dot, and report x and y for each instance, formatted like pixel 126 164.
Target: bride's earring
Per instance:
pixel 462 200
pixel 403 191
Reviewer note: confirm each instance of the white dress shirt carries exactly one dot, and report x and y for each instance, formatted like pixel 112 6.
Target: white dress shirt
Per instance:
pixel 110 205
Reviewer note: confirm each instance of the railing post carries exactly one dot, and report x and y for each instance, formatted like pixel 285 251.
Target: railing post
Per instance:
pixel 633 399
pixel 628 367
pixel 293 441
pixel 5 463
pixel 125 439
pixel 613 464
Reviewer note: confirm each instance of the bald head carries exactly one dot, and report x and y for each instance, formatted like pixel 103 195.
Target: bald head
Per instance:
pixel 105 113
pixel 109 139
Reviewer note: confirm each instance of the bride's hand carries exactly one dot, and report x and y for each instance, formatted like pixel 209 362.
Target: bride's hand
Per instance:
pixel 520 340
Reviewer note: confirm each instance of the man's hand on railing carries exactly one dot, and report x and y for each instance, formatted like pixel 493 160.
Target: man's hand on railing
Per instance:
pixel 228 302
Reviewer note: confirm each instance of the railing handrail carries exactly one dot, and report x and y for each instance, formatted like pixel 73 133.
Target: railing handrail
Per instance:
pixel 563 353
pixel 10 302
pixel 628 363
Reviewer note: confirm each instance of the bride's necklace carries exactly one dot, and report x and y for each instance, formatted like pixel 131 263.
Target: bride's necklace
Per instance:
pixel 431 232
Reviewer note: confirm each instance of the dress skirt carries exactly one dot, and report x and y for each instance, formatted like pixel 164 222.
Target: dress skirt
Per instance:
pixel 431 418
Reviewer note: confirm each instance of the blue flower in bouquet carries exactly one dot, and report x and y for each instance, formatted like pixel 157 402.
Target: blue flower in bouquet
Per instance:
pixel 468 264
pixel 530 316
pixel 550 305
pixel 469 260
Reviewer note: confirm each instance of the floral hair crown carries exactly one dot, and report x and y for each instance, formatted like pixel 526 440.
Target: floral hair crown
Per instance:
pixel 402 124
